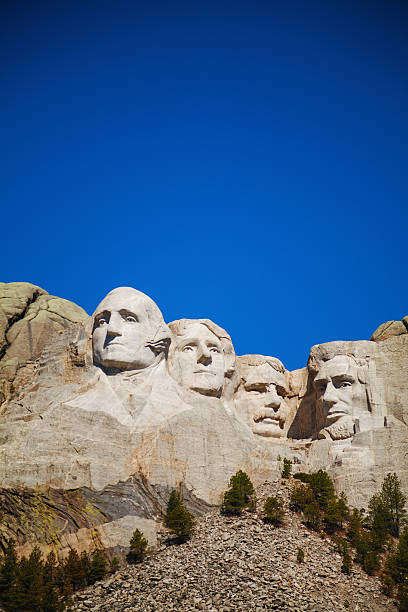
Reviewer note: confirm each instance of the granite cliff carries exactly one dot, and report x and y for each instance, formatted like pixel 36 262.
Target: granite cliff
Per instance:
pixel 102 416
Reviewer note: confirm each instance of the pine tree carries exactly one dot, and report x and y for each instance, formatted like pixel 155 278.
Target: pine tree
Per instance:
pixel 240 495
pixel 312 515
pixel 97 568
pixel 74 573
pixel 273 510
pixel 393 503
pixel 178 519
pixel 8 572
pixel 300 497
pixel 28 589
pixel 346 562
pixel 114 565
pixel 332 516
pixel 322 487
pixel 300 556
pixel 287 468
pixel 354 527
pixel 138 546
pixel 343 509
pixel 397 562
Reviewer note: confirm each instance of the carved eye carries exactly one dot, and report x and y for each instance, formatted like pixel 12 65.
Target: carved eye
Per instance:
pixel 101 322
pixel 214 349
pixel 343 383
pixel 187 349
pixel 131 319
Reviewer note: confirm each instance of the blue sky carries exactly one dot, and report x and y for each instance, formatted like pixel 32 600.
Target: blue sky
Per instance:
pixel 241 161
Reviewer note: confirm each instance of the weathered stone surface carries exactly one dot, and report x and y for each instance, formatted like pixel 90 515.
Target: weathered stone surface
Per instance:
pixel 29 318
pixel 120 408
pixel 388 330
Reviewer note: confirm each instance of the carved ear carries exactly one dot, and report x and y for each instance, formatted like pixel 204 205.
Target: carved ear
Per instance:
pixel 161 341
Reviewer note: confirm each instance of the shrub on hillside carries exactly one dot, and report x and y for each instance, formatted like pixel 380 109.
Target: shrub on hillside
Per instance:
pixel 240 495
pixel 138 547
pixel 287 468
pixel 300 497
pixel 178 519
pixel 273 510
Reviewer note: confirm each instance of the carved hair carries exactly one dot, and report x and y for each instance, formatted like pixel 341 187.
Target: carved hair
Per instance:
pixel 258 360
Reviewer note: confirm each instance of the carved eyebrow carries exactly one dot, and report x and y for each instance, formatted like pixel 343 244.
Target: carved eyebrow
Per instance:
pixel 345 377
pixel 104 313
pixel 126 313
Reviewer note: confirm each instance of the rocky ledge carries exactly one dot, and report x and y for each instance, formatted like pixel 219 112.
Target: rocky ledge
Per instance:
pixel 234 564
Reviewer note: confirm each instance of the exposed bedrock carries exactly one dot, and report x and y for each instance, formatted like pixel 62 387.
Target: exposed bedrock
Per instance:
pixel 103 416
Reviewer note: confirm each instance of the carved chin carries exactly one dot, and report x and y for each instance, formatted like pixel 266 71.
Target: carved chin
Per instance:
pixel 341 429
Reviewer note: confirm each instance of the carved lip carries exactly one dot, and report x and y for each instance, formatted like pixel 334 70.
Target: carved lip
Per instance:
pixel 204 372
pixel 266 416
pixel 333 415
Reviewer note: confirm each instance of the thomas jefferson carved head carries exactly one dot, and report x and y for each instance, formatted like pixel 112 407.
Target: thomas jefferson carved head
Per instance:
pixel 201 356
pixel 129 332
pixel 258 398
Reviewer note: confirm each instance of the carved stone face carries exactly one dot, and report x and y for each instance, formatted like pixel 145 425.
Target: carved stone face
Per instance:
pixel 339 396
pixel 124 324
pixel 259 400
pixel 196 360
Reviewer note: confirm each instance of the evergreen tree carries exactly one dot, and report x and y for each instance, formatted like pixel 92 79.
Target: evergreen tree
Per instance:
pixel 397 562
pixel 322 487
pixel 343 509
pixel 97 568
pixel 403 598
pixel 355 527
pixel 371 562
pixel 28 589
pixel 300 497
pixel 8 572
pixel 300 557
pixel 178 519
pixel 392 502
pixel 332 516
pixel 138 546
pixel 312 515
pixel 74 574
pixel 346 564
pixel 273 510
pixel 50 568
pixel 240 495
pixel 114 565
pixel 287 468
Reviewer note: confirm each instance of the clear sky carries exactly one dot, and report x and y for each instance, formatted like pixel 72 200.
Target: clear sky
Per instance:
pixel 243 161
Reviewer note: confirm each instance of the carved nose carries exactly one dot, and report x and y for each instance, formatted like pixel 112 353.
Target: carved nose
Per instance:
pixel 273 401
pixel 329 397
pixel 113 328
pixel 204 355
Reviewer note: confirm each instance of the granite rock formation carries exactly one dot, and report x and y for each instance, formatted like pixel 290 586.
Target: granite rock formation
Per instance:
pixel 103 416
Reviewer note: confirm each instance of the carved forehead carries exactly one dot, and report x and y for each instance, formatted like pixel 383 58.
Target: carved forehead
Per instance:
pixel 340 365
pixel 198 331
pixel 133 300
pixel 263 374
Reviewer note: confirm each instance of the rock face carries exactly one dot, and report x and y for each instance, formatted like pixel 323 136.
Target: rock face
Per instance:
pixel 103 416
pixel 29 318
